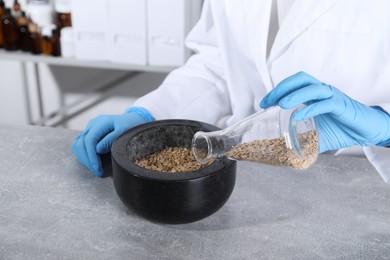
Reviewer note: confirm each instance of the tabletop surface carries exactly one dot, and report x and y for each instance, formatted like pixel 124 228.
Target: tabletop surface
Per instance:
pixel 51 207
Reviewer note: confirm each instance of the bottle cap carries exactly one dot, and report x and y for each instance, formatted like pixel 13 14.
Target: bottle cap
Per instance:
pixel 32 27
pixel 47 30
pixel 22 19
pixel 62 6
pixel 40 14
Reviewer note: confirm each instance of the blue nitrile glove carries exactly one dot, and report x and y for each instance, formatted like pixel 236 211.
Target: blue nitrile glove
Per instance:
pixel 341 121
pixel 101 132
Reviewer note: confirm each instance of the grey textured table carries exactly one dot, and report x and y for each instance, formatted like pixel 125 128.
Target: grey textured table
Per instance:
pixel 52 208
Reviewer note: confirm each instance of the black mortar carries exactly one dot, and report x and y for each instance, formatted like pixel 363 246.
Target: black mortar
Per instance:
pixel 171 198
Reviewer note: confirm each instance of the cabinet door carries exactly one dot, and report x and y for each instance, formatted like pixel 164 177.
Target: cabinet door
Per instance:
pixel 90 29
pixel 127 31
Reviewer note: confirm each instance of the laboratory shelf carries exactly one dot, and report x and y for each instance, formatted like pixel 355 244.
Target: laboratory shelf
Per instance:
pixel 66 112
pixel 73 62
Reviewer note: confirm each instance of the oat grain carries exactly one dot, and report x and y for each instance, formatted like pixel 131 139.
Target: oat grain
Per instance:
pixel 275 151
pixel 171 159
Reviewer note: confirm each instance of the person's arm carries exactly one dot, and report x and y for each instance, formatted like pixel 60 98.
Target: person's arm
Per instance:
pixel 197 90
pixel 341 121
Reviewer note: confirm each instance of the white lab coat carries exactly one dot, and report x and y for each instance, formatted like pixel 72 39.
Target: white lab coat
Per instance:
pixel 345 43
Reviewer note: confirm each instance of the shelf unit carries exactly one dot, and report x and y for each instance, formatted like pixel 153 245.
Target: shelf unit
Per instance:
pixel 68 111
pixel 61 61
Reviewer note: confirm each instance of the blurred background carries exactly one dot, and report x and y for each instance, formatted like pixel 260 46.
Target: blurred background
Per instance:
pixel 63 62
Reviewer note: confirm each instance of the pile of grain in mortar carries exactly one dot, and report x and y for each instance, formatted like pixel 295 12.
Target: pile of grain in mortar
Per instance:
pixel 171 159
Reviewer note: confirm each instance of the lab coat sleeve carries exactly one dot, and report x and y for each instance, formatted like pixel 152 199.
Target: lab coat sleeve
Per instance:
pixel 198 89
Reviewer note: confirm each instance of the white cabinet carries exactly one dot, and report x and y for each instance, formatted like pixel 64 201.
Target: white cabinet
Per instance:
pixel 140 32
pixel 166 33
pixel 90 29
pixel 127 33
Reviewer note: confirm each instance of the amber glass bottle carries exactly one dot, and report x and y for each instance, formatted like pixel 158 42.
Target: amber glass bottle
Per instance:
pixel 55 43
pixel 24 33
pixel 63 13
pixel 46 34
pixel 10 29
pixel 46 45
pixel 64 20
pixel 35 38
pixel 2 12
